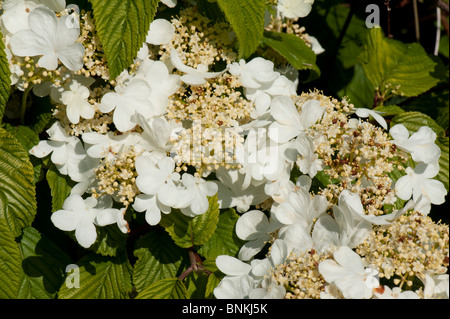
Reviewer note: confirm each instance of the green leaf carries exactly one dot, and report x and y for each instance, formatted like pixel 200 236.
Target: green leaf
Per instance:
pixel 359 90
pixel 413 121
pixel 196 285
pixel 169 288
pixel 111 241
pixel 122 26
pixel 187 231
pixel 60 187
pixel 224 241
pixel 100 277
pixel 33 268
pixel 391 62
pixel 443 175
pixel 17 190
pixel 43 266
pixel 157 258
pixel 5 78
pixel 293 49
pixel 247 20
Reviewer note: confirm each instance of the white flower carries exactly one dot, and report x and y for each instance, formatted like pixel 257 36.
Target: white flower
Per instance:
pixel 152 208
pixel 289 123
pixel 170 3
pixel 300 208
pixel 363 112
pixel 420 144
pixel 162 84
pixel 395 293
pixel 315 44
pixel 67 152
pixel 155 137
pixel 419 181
pixel 234 287
pixel 15 15
pixel 51 38
pixel 238 190
pixel 80 215
pixel 255 74
pixel 161 32
pixel 193 76
pixel 194 198
pixel 309 162
pixel 126 101
pixel 76 100
pixel 347 272
pixel 292 9
pixel 436 286
pixel 113 216
pixel 254 227
pixel 158 179
pixel 109 144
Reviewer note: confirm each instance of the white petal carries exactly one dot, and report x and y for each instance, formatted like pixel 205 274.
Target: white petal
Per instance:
pixel 250 225
pixel 161 32
pixel 232 266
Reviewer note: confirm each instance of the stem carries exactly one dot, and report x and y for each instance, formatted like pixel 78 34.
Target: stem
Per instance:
pixel 438 31
pixel 23 107
pixel 416 20
pixel 388 8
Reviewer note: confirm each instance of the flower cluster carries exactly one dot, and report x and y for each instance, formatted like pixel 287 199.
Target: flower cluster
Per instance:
pixel 311 176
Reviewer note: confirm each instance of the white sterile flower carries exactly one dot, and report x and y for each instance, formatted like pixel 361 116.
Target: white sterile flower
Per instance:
pixel 158 178
pixel 161 32
pixel 300 208
pixel 67 152
pixel 162 84
pixel 419 181
pixel 109 144
pixel 363 112
pixel 238 287
pixel 293 9
pixel 289 122
pixel 51 38
pixel 420 144
pixel 315 44
pixel 270 289
pixel 309 162
pixel 134 97
pixel 279 251
pixel 238 190
pixel 194 198
pixel 170 3
pixel 298 237
pixel 255 74
pixel 152 208
pixel 347 272
pixel 193 76
pixel 155 137
pixel 394 293
pixel 436 286
pixel 76 100
pixel 255 228
pixel 80 215
pixel 15 15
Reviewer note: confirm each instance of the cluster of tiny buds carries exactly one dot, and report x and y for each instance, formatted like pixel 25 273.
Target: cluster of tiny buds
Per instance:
pixel 409 248
pixel 357 155
pixel 300 275
pixel 116 176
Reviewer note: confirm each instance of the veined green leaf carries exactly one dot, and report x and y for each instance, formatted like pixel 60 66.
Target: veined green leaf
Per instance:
pixel 293 49
pixel 31 269
pixel 5 78
pixel 413 121
pixel 247 20
pixel 169 288
pixel 100 278
pixel 404 67
pixel 158 258
pixel 224 241
pixel 187 231
pixel 60 187
pixel 122 26
pixel 17 190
